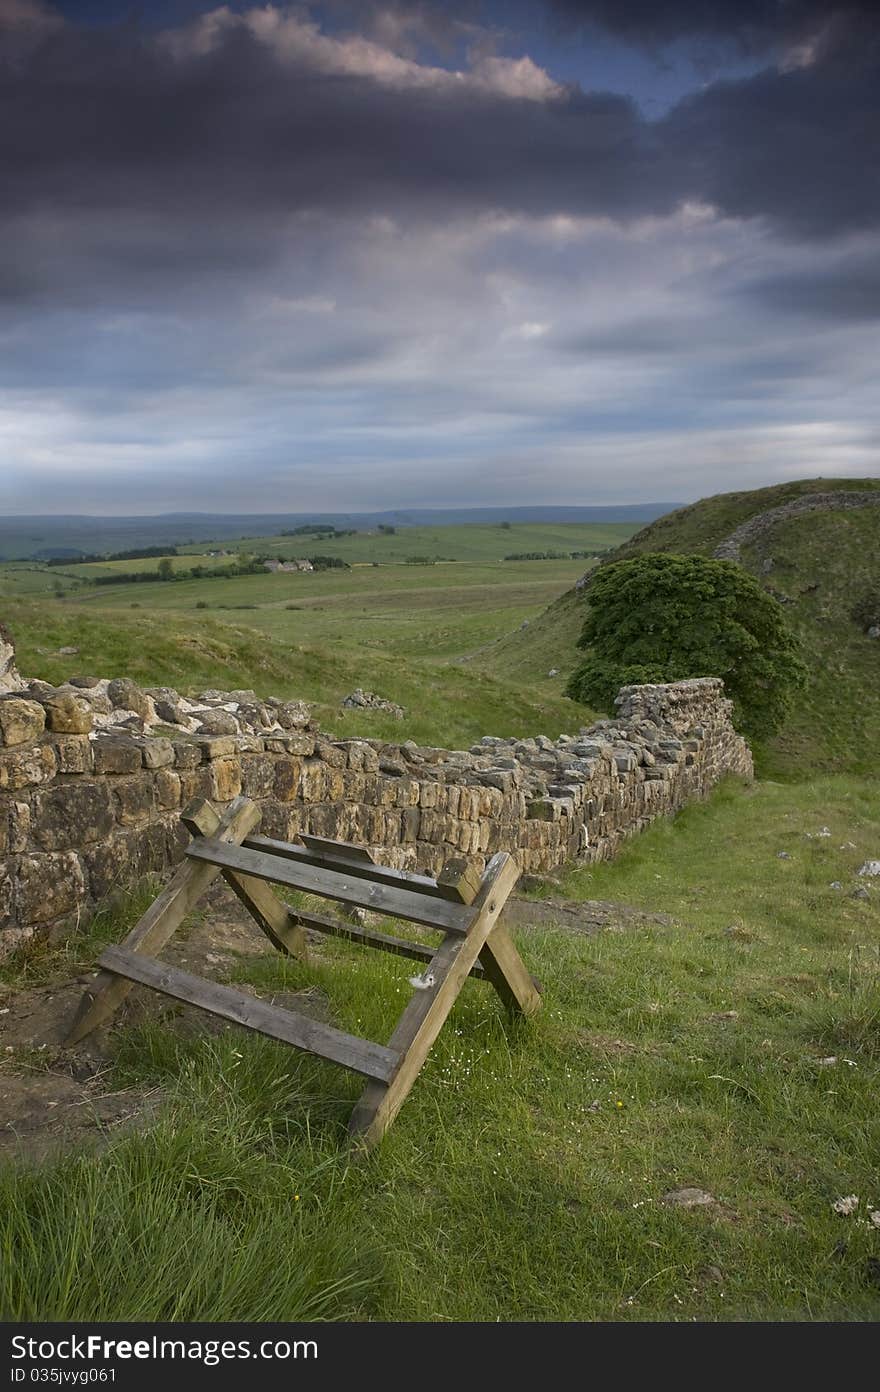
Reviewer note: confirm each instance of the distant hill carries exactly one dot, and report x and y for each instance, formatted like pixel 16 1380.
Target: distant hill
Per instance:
pixel 45 538
pixel 823 565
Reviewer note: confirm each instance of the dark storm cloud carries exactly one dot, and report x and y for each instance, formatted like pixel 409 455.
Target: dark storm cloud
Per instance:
pixel 753 25
pixel 110 122
pixel 152 165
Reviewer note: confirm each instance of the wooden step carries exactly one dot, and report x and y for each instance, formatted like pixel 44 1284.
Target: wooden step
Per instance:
pixel 396 902
pixel 361 1055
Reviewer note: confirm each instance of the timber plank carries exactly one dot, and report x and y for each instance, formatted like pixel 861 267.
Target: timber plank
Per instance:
pixel 359 869
pixel 337 884
pixel 361 1055
pixel 103 996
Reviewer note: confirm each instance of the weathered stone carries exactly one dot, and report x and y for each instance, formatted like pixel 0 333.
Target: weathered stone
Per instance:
pixel 86 683
pixel 216 746
pixel 9 678
pixel 21 721
pixel 302 745
pixel 167 784
pixel 127 695
pixel 157 753
pixel 48 886
pixel 72 815
pixel 74 754
pixel 225 779
pixel 257 775
pixel 135 800
pixel 217 722
pixel 331 754
pixel 286 774
pixel 187 755
pixel 116 755
pixel 168 711
pixel 27 767
pixel 119 862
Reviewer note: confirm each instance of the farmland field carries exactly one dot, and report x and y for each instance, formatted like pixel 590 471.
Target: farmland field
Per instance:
pixel 418 635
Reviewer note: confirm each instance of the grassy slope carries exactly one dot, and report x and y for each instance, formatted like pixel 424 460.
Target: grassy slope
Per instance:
pixel 835 724
pixel 702 525
pixel 524 1177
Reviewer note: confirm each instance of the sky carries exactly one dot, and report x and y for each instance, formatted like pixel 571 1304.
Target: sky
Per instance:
pixel 361 255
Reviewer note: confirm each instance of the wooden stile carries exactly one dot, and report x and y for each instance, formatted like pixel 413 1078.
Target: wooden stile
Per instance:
pixel 462 906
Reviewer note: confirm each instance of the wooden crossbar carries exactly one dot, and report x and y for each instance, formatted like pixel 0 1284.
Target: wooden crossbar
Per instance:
pixel 363 869
pixel 368 937
pixel 291 1027
pixel 336 884
pixel 459 904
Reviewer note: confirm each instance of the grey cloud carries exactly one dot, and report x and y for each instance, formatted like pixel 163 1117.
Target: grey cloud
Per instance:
pixel 847 291
pixel 754 26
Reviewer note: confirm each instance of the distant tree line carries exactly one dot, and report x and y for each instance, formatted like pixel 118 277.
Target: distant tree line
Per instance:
pixel 556 555
pixel 139 553
pixel 320 529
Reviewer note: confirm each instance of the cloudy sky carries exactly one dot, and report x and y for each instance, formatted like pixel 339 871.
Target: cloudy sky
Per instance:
pixel 364 255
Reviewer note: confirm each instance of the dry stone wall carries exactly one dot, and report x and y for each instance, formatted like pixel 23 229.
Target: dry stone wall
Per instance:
pixel 754 527
pixel 86 808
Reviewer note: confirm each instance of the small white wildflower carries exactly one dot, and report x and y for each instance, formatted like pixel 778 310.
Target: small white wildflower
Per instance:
pixel 846 1205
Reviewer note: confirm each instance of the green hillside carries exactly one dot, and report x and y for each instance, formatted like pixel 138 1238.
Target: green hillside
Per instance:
pixel 822 564
pixel 701 526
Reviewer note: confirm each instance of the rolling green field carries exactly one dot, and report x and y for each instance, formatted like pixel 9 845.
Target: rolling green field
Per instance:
pixel 468 542
pixel 402 631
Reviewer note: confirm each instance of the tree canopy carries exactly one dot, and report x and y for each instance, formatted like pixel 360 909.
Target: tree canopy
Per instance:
pixel 661 617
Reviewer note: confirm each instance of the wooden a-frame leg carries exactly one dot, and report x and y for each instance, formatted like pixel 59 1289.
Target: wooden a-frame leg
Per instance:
pixel 507 972
pixel 272 916
pixel 160 922
pixel 461 883
pixel 426 1012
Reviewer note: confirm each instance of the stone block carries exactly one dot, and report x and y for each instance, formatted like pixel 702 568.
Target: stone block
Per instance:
pixel 196 783
pixel 21 721
pixel 287 776
pixel 27 767
pixel 157 753
pixel 187 754
pixel 118 862
pixel 68 715
pixel 216 747
pixel 331 754
pixel 116 756
pixel 74 754
pixel 127 695
pixel 302 745
pixel 48 886
pixel 72 815
pixel 257 775
pixel 135 800
pixel 225 779
pixel 167 785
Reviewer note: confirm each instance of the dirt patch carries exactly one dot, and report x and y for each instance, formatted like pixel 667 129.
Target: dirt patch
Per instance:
pixel 52 1097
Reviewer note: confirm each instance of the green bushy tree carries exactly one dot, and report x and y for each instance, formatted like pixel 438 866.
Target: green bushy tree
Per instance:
pixel 662 617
